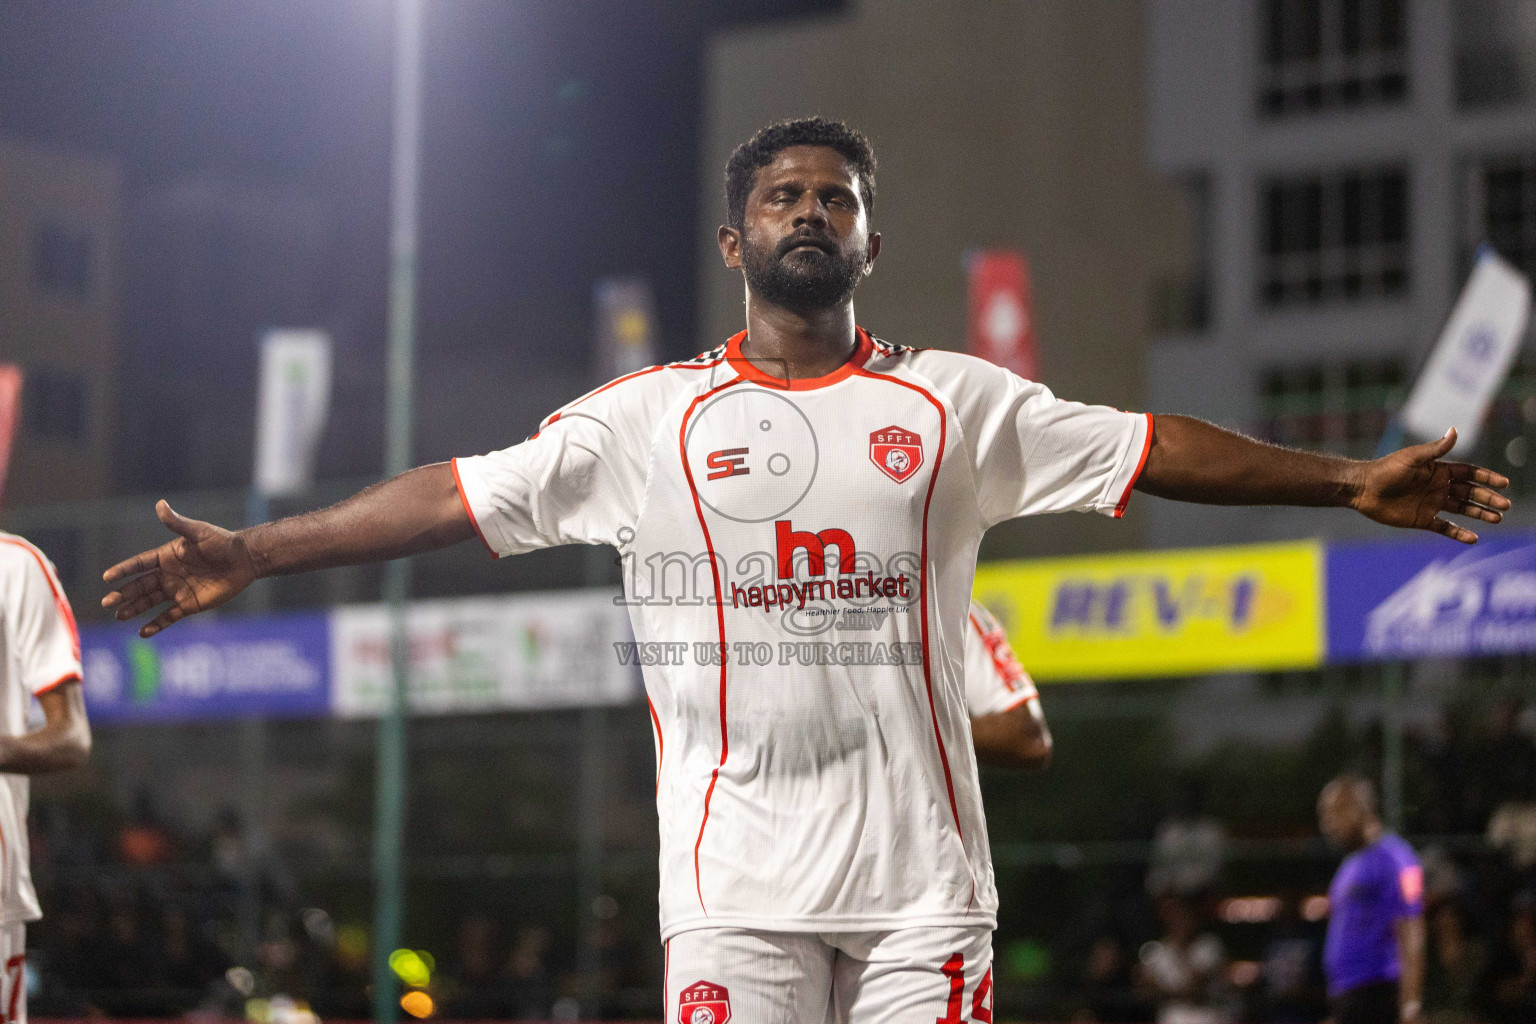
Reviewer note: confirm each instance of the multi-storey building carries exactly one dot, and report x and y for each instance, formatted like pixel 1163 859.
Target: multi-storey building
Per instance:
pixel 1342 160
pixel 58 294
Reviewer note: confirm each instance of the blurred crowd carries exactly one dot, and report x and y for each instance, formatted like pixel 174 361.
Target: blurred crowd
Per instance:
pixel 141 921
pixel 1197 952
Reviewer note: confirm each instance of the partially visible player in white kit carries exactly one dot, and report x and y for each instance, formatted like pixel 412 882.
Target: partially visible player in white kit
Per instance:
pixel 798 512
pixel 42 661
pixel 1007 722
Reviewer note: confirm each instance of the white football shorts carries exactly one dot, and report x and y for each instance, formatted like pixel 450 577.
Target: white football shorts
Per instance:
pixel 906 976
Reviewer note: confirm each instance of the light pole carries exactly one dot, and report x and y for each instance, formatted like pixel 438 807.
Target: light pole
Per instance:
pixel 389 798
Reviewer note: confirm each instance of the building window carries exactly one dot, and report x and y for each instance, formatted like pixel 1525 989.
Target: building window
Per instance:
pixel 1503 214
pixel 1495 52
pixel 53 405
pixel 62 259
pixel 1339 407
pixel 1333 237
pixel 1332 54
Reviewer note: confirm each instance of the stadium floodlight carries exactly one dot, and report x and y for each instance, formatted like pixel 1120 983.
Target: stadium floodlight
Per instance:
pixel 389 799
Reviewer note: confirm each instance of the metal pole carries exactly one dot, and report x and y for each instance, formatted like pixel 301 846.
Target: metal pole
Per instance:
pixel 589 880
pixel 389 803
pixel 1392 675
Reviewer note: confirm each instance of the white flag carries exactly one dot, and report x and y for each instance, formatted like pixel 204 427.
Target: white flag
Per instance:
pixel 1473 354
pixel 292 406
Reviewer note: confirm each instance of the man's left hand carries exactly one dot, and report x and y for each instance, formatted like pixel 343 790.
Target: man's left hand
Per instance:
pixel 1412 487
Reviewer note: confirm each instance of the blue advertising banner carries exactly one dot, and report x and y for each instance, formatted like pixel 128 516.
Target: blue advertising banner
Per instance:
pixel 1388 601
pixel 222 668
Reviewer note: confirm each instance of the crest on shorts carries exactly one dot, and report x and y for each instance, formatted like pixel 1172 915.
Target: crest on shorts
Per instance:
pixel 896 452
pixel 704 1002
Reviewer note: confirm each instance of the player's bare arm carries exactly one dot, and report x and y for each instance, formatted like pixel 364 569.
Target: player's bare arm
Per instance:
pixel 63 741
pixel 206 565
pixel 1016 738
pixel 1413 488
pixel 1409 933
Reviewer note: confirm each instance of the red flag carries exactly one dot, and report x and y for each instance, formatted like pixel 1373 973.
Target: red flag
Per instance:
pixel 10 406
pixel 1002 316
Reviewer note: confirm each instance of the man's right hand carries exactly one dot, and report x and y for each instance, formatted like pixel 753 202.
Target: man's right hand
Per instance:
pixel 204 566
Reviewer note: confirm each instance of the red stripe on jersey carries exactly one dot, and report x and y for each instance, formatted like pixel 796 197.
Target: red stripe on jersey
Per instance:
pixel 59 601
pixel 620 380
pixel 922 587
pixel 714 568
pixel 464 499
pixel 1141 464
pixel 661 747
pixel 862 348
pixel 1007 663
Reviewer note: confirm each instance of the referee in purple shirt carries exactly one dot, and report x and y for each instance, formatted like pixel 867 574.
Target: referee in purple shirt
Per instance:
pixel 1374 953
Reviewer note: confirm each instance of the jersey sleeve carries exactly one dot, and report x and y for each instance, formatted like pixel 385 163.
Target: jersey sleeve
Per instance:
pixel 40 626
pixel 1406 885
pixel 1034 453
pixel 995 681
pixel 579 480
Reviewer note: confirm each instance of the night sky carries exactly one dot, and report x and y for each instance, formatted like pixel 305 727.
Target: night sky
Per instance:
pixel 560 146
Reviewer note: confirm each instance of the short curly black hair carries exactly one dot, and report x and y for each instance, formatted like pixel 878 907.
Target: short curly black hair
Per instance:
pixel 760 150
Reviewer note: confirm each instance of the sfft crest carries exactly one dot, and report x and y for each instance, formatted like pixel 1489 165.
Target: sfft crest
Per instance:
pixel 704 1002
pixel 898 453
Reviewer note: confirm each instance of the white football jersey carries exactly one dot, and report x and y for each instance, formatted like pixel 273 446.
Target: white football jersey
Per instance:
pixel 42 651
pixel 995 681
pixel 798 559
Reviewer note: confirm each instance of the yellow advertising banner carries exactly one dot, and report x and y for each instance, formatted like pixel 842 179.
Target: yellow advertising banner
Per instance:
pixel 1161 613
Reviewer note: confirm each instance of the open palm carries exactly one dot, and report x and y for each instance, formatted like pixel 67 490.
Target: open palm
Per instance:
pixel 1412 487
pixel 204 566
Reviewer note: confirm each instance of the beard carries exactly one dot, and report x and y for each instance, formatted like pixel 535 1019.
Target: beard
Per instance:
pixel 805 281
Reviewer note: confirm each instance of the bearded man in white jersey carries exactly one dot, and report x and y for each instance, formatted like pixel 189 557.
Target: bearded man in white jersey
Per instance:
pixel 41 661
pixel 823 847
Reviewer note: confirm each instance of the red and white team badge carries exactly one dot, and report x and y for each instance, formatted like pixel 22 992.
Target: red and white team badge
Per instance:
pixel 704 1002
pixel 897 452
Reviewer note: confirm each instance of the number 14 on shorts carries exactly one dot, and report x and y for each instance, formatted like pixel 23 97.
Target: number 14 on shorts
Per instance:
pixel 981 1002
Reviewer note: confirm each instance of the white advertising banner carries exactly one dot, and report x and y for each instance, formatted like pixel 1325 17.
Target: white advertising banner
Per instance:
pixel 1473 354
pixel 518 652
pixel 291 408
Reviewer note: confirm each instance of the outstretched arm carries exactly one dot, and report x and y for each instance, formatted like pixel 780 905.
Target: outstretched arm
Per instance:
pixel 1191 460
pixel 206 565
pixel 64 741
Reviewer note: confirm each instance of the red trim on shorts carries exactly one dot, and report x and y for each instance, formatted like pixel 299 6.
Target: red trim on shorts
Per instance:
pixel 661 747
pixel 714 568
pixel 18 985
pixel 862 348
pixel 1141 464
pixel 59 600
pixel 458 483
pixel 922 588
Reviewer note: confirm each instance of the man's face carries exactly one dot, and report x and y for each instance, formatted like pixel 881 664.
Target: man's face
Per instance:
pixel 805 238
pixel 1340 816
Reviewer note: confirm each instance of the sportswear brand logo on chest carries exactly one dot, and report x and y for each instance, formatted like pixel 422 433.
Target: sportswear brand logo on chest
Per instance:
pixel 704 1002
pixel 896 452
